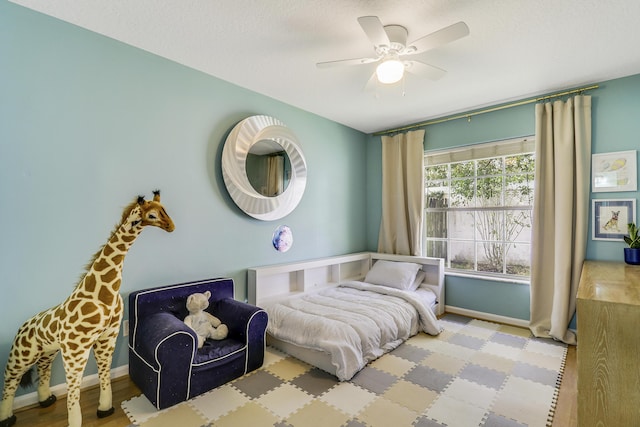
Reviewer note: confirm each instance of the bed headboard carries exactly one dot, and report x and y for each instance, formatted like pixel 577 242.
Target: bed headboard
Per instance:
pixel 273 282
pixel 433 268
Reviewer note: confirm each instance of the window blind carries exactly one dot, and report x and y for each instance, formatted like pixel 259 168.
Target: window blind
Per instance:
pixel 480 151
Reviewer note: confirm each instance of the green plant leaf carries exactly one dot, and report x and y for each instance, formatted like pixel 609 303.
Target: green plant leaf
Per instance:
pixel 633 240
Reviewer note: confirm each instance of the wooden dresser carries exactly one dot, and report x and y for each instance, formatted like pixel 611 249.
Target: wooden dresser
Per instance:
pixel 608 308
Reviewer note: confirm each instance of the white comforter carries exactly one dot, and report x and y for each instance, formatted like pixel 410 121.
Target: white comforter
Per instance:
pixel 355 323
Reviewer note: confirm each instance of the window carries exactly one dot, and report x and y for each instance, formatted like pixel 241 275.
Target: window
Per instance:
pixel 478 206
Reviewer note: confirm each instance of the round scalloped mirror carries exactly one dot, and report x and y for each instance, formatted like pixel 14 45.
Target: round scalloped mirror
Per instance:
pixel 263 168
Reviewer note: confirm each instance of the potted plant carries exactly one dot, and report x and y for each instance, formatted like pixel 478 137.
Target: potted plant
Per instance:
pixel 632 253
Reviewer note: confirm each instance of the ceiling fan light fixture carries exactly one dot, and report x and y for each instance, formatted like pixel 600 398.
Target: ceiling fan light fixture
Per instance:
pixel 390 70
pixel 390 44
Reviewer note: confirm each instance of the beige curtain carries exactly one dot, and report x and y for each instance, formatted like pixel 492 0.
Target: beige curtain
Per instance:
pixel 560 215
pixel 275 175
pixel 402 193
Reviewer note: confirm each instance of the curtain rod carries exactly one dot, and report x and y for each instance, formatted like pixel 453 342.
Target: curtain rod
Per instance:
pixel 488 110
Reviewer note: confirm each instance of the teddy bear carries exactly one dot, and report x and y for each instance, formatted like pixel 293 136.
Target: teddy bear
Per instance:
pixel 204 324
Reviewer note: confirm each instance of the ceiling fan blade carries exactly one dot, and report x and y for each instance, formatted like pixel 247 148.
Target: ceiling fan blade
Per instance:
pixel 424 70
pixel 374 29
pixel 341 62
pixel 439 38
pixel 371 83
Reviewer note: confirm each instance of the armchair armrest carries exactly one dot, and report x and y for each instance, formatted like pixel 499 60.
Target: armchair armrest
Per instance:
pixel 163 350
pixel 238 316
pixel 162 337
pixel 247 323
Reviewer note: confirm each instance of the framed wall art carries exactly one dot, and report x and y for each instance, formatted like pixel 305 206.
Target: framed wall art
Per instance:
pixel 614 171
pixel 610 218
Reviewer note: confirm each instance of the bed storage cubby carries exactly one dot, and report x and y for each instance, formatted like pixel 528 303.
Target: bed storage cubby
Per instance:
pixel 284 280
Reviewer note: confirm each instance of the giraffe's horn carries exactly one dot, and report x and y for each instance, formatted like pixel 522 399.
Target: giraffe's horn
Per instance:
pixel 140 200
pixel 156 195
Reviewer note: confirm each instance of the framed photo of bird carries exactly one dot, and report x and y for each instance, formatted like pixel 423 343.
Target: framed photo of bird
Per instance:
pixel 614 171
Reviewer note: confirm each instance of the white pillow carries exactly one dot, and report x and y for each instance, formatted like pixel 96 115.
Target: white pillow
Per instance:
pixel 399 275
pixel 420 276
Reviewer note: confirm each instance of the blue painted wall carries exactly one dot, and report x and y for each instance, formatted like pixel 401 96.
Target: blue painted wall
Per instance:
pixel 615 127
pixel 88 123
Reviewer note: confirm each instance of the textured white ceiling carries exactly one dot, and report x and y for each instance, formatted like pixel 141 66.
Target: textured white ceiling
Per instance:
pixel 516 48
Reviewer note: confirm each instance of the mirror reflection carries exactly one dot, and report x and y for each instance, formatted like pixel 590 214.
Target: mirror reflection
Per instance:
pixel 268 168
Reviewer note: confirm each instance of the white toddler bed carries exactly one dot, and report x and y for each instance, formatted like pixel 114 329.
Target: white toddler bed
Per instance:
pixel 339 313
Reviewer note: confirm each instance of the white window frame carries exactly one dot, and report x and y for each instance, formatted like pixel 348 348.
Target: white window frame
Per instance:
pixel 504 148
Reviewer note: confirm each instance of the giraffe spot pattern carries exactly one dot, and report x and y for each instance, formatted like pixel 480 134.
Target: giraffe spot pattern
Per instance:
pixel 90 282
pixel 105 296
pixel 86 295
pixel 89 324
pixel 25 341
pixel 109 276
pixel 101 264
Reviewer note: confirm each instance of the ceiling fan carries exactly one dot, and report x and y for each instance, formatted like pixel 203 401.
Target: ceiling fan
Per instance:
pixel 391 48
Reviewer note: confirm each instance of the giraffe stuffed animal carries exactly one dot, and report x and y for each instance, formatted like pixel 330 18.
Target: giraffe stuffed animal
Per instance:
pixel 88 319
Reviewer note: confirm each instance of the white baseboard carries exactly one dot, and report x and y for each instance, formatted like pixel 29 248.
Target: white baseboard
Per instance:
pixel 61 389
pixel 487 316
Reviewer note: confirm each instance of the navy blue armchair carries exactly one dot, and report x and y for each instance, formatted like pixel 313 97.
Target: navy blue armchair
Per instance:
pixel 164 359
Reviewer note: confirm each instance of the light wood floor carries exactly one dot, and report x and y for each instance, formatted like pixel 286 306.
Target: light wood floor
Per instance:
pixel 124 389
pixel 56 415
